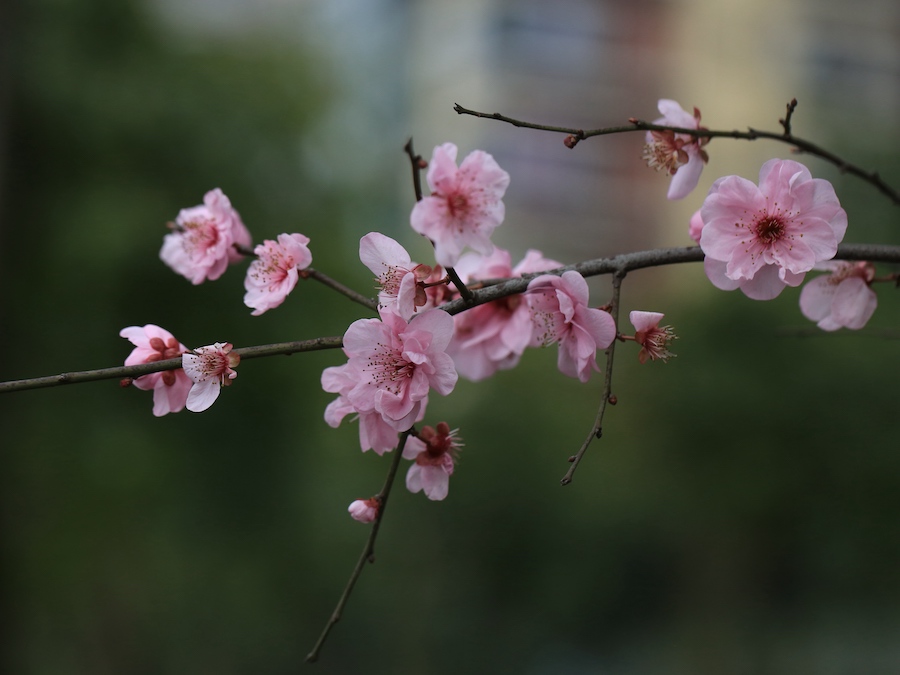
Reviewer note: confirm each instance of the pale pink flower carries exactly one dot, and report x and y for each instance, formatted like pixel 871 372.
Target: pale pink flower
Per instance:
pixel 210 368
pixel 465 203
pixel 202 243
pixel 374 433
pixel 680 155
pixel 493 336
pixel 434 454
pixel 364 510
pixel 170 387
pixel 654 341
pixel 275 271
pixel 400 281
pixel 842 299
pixel 560 314
pixel 780 229
pixel 394 365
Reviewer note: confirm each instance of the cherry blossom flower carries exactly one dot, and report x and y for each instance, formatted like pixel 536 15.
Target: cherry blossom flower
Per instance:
pixel 170 387
pixel 374 433
pixel 393 365
pixel 680 155
pixel 493 336
pixel 434 453
pixel 777 231
pixel 842 299
pixel 210 368
pixel 654 341
pixel 364 510
pixel 560 314
pixel 465 203
pixel 202 243
pixel 275 271
pixel 400 280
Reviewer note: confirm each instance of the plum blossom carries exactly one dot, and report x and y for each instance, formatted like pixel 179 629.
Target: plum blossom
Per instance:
pixel 203 240
pixel 680 155
pixel 401 281
pixel 493 336
pixel 842 299
pixel 170 387
pixel 392 366
pixel 433 453
pixel 654 341
pixel 275 272
pixel 773 234
pixel 210 368
pixel 374 433
pixel 560 314
pixel 465 203
pixel 364 510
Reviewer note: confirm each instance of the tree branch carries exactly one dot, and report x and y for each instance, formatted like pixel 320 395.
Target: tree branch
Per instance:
pixel 800 145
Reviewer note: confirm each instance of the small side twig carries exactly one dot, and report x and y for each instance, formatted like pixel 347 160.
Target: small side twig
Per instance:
pixel 800 145
pixel 786 122
pixel 597 429
pixel 368 552
pixel 322 278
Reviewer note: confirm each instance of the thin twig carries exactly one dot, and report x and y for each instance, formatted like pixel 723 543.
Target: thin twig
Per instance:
pixel 800 145
pixel 340 288
pixel 119 372
pixel 597 429
pixel 368 552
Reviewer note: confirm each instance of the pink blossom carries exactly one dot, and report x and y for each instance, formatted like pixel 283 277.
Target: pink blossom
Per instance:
pixel 364 510
pixel 493 336
pixel 210 368
pixel 170 387
pixel 842 299
pixel 393 365
pixel 560 314
pixel 274 273
pixel 680 155
pixel 374 433
pixel 779 230
pixel 202 243
pixel 400 280
pixel 434 453
pixel 465 203
pixel 654 341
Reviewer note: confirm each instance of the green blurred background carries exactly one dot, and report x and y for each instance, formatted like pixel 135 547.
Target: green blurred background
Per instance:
pixel 739 514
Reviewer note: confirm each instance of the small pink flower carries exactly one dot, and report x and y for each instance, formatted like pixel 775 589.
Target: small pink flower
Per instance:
pixel 493 336
pixel 560 314
pixel 210 368
pixel 465 203
pixel 393 365
pixel 364 510
pixel 401 281
pixel 170 387
pixel 202 243
pixel 434 453
pixel 790 222
pixel 842 299
pixel 654 341
pixel 275 272
pixel 680 155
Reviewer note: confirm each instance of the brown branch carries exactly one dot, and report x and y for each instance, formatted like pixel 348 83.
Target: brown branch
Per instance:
pixel 119 372
pixel 368 552
pixel 626 262
pixel 597 429
pixel 334 285
pixel 800 145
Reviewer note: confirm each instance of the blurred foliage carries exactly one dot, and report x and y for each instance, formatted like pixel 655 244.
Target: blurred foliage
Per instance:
pixel 738 515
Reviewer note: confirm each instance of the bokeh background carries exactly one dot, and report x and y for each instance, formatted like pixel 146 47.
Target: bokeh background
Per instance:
pixel 740 514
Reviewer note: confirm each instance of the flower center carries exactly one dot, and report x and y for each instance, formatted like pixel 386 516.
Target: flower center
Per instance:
pixel 388 369
pixel 457 203
pixel 770 229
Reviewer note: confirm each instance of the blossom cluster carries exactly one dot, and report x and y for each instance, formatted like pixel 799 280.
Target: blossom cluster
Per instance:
pixel 758 237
